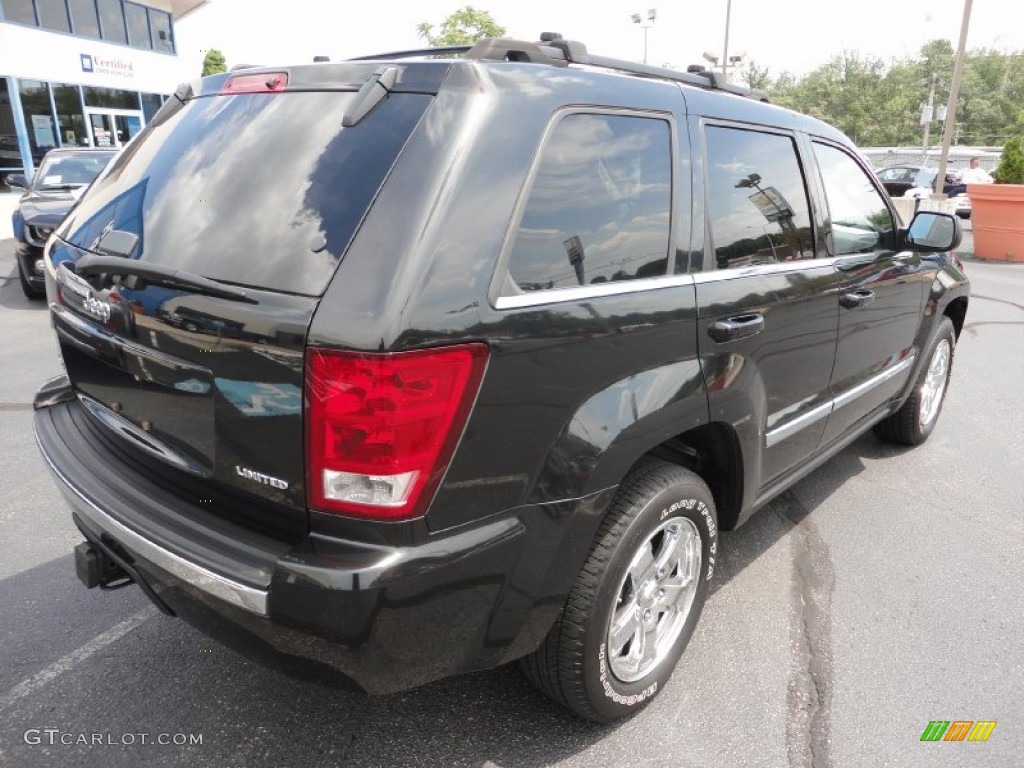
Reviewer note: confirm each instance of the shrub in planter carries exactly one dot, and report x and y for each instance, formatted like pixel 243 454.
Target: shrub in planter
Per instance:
pixel 998 209
pixel 1011 167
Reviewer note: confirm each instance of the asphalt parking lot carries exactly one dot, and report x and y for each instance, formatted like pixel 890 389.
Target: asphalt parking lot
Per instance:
pixel 883 592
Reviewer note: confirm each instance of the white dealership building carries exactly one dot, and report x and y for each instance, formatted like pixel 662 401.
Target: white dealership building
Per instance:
pixel 82 73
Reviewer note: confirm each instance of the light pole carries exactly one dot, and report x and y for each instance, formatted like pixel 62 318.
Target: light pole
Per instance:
pixel 638 19
pixel 725 49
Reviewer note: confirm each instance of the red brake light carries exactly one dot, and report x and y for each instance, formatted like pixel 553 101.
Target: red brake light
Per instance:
pixel 381 428
pixel 267 82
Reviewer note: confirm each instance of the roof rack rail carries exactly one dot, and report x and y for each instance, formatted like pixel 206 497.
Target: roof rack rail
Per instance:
pixel 555 51
pixel 445 51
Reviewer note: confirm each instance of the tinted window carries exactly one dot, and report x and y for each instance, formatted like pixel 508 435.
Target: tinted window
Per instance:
pixel 112 21
pixel 35 102
pixel 53 14
pixel 138 26
pixel 111 98
pixel 20 11
pixel 757 199
pixel 229 188
pixel 150 105
pixel 160 23
pixel 861 221
pixel 69 115
pixel 83 16
pixel 598 210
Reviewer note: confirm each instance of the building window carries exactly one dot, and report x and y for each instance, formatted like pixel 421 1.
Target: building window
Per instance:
pixel 10 155
pixel 70 122
pixel 599 208
pixel 35 102
pixel 150 105
pixel 757 202
pixel 20 11
pixel 83 18
pixel 110 98
pixel 53 14
pixel 112 21
pixel 138 26
pixel 160 23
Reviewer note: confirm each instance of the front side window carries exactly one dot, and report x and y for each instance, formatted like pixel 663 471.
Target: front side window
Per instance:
pixel 599 208
pixel 861 221
pixel 757 201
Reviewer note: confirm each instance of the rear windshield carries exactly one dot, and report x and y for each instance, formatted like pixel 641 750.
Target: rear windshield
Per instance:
pixel 261 190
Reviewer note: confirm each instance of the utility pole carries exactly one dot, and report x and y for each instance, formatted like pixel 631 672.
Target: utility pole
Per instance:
pixel 927 115
pixel 954 94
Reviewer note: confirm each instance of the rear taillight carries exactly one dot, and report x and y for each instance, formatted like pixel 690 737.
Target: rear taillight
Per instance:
pixel 268 82
pixel 381 428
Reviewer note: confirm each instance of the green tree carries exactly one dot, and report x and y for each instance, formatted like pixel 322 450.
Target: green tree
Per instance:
pixel 214 63
pixel 878 102
pixel 464 27
pixel 1011 166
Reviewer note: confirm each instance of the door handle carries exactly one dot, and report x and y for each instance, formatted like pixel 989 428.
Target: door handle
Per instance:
pixel 736 327
pixel 857 298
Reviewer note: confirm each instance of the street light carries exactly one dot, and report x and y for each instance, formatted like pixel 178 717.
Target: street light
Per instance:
pixel 638 19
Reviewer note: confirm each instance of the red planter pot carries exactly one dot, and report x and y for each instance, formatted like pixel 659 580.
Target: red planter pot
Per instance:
pixel 997 211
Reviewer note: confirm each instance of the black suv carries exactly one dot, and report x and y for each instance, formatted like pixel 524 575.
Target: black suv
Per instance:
pixel 404 368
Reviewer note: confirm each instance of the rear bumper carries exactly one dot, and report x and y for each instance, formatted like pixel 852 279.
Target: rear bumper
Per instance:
pixel 385 618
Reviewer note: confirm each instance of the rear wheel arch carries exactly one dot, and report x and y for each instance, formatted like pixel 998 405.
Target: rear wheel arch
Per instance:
pixel 712 452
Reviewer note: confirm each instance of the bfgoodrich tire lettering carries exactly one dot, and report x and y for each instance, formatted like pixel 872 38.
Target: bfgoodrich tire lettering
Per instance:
pixel 582 663
pixel 915 420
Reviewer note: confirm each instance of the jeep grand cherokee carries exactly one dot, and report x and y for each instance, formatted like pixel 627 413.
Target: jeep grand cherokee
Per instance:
pixel 403 368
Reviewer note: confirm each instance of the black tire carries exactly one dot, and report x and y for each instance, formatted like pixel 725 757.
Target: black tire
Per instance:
pixel 573 665
pixel 908 425
pixel 30 291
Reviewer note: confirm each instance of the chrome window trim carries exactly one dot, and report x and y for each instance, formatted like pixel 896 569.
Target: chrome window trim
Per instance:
pixel 584 292
pixel 790 428
pixel 243 596
pixel 756 270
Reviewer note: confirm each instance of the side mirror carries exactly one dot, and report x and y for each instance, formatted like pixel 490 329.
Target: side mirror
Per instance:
pixel 932 232
pixel 17 180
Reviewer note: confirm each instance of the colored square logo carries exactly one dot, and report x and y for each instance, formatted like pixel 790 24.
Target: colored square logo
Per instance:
pixel 86 62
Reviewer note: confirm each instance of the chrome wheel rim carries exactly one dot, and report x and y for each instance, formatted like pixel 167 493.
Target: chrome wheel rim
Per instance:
pixel 935 383
pixel 654 599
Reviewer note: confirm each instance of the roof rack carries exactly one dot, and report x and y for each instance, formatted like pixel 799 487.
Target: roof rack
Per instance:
pixel 555 51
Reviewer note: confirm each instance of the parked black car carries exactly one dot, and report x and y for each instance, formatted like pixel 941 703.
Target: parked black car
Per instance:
pixel 57 184
pixel 900 179
pixel 491 349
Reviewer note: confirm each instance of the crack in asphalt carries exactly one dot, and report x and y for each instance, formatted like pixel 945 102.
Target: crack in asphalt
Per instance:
pixel 809 689
pixel 971 328
pixel 999 301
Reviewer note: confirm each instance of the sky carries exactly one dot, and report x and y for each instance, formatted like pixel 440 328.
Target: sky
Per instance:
pixel 793 35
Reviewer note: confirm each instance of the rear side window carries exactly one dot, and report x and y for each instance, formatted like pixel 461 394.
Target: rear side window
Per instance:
pixel 599 207
pixel 757 199
pixel 262 190
pixel 861 221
